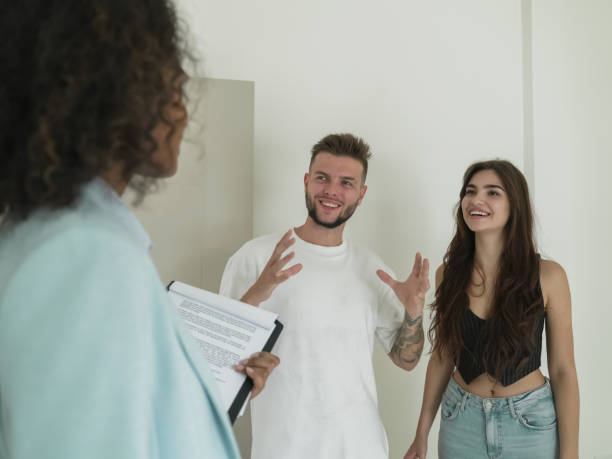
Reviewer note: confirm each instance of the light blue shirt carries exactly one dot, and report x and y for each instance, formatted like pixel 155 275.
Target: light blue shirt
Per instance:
pixel 94 360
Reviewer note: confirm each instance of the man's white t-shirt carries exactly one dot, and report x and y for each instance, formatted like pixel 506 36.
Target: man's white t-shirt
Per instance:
pixel 320 402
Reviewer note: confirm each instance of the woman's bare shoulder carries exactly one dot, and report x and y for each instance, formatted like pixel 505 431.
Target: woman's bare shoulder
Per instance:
pixel 553 280
pixel 551 272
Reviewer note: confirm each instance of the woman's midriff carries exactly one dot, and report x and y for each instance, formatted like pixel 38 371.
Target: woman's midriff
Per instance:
pixel 486 386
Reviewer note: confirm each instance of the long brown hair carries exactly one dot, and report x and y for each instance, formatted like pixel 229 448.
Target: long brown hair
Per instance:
pixel 517 297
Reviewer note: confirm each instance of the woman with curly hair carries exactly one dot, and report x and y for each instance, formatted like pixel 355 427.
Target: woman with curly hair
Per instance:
pixel 94 360
pixel 493 296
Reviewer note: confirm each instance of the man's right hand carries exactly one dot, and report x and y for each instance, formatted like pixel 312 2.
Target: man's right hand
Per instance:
pixel 273 274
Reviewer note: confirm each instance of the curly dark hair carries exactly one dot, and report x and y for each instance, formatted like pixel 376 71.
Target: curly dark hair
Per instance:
pixel 518 301
pixel 84 84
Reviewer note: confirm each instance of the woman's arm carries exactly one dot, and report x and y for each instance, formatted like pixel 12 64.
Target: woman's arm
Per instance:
pixel 439 370
pixel 560 349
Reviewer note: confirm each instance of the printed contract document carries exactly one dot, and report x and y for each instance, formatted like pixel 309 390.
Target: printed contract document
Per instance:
pixel 227 331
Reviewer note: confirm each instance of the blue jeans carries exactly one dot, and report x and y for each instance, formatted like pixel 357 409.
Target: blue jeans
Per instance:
pixel 523 426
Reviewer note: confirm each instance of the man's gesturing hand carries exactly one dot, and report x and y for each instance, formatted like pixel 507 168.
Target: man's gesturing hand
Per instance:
pixel 412 291
pixel 273 273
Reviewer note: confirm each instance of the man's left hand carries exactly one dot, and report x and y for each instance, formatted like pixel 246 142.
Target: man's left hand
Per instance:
pixel 412 291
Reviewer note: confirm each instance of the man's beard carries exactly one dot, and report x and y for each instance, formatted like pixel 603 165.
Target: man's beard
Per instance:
pixel 343 217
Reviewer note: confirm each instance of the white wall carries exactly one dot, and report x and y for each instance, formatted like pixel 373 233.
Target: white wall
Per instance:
pixel 199 216
pixel 432 86
pixel 572 75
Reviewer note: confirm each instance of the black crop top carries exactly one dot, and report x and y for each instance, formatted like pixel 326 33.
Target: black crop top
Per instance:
pixel 473 330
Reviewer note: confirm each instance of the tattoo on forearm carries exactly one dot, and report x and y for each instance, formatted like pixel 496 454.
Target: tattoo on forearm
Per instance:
pixel 408 344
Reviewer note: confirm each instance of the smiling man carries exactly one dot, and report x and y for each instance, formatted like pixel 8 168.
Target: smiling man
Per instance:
pixel 321 401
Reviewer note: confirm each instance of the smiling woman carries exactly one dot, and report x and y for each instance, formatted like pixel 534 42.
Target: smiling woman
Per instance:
pixel 493 296
pixel 485 204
